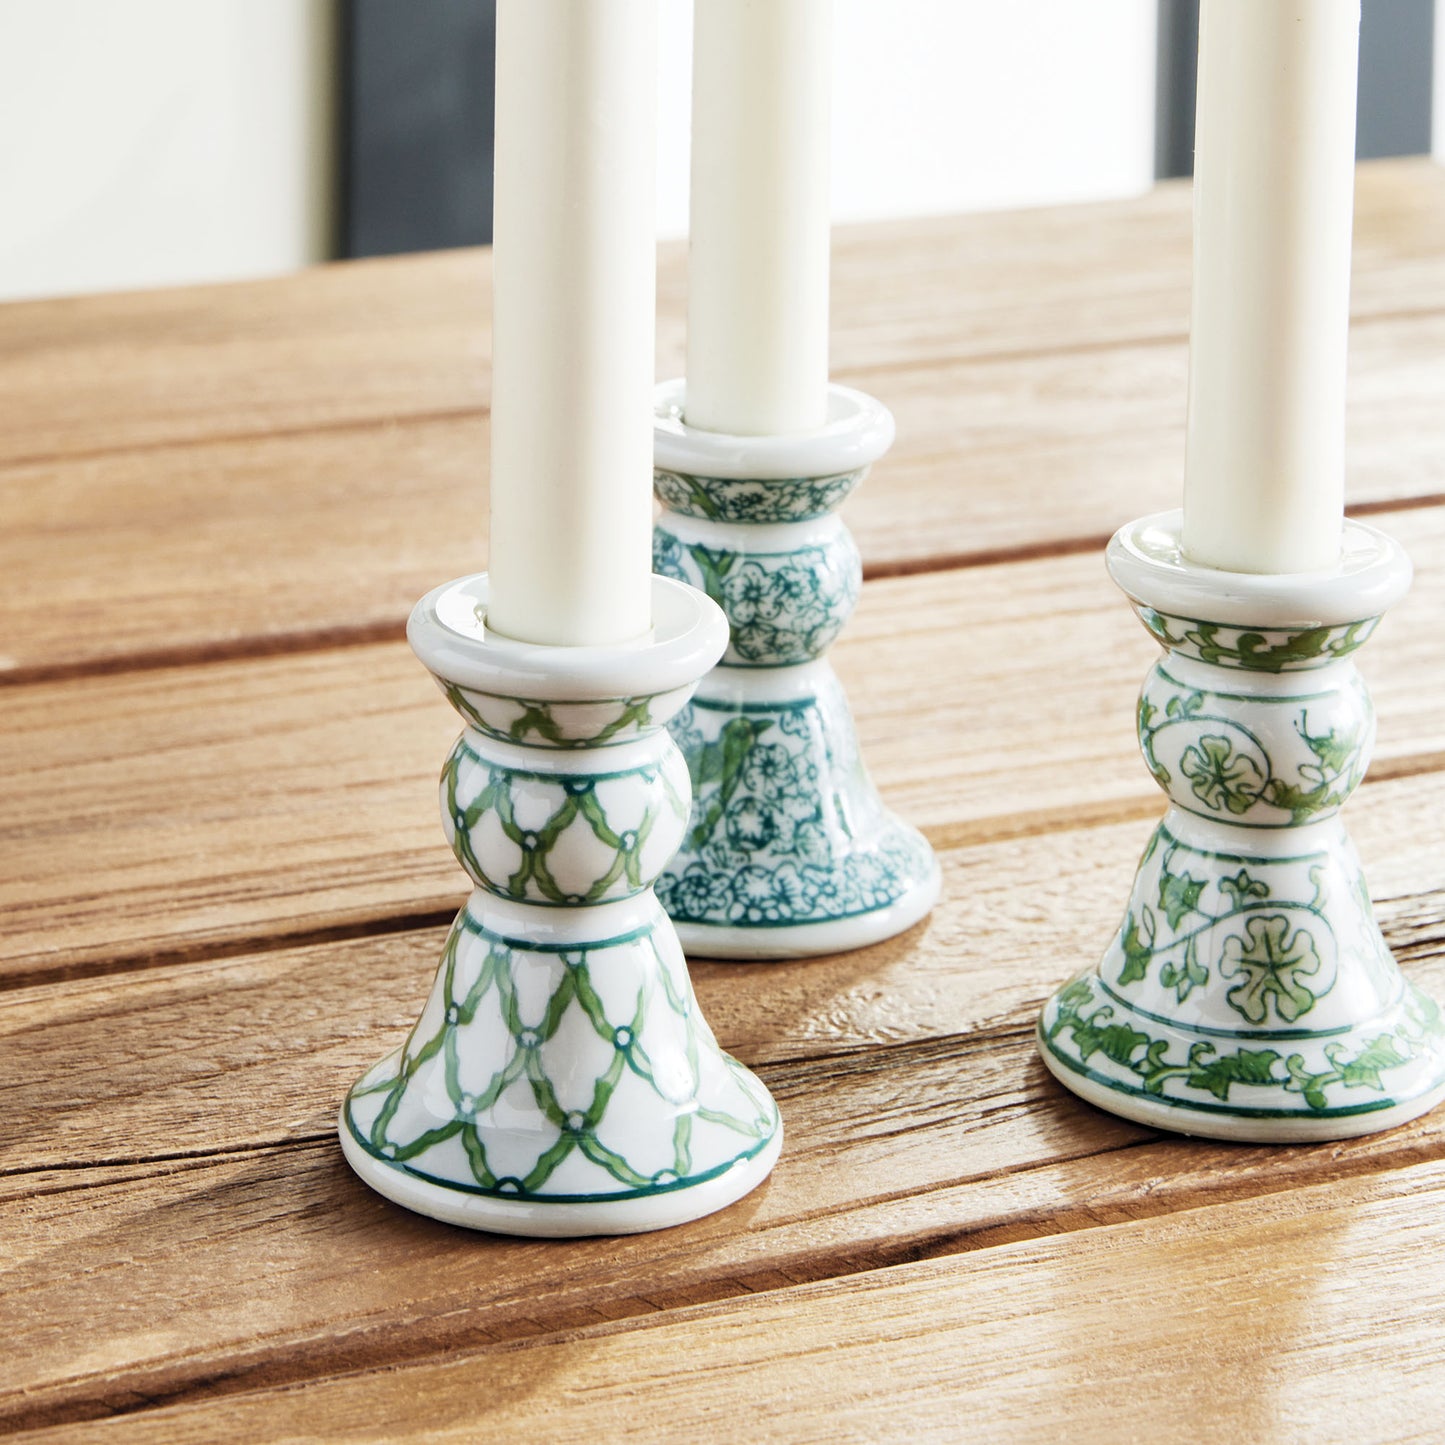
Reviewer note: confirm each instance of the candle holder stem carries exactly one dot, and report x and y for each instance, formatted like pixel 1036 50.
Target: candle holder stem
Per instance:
pixel 789 851
pixel 560 1079
pixel 1248 993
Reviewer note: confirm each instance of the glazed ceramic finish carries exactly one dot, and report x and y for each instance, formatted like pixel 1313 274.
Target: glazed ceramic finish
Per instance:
pixel 788 850
pixel 560 1080
pixel 1248 993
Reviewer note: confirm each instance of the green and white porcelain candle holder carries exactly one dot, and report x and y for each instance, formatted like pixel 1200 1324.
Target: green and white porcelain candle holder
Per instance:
pixel 1248 993
pixel 789 851
pixel 560 1079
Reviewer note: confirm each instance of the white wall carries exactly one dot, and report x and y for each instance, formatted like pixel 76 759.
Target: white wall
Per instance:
pixel 150 142
pixel 154 142
pixel 949 105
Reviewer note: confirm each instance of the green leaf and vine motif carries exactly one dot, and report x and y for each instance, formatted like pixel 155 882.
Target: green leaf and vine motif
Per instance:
pixel 1179 894
pixel 754 500
pixel 1229 780
pixel 1179 897
pixel 1277 969
pixel 1363 1071
pixel 1146 714
pixel 1095 1030
pixel 1274 964
pixel 1186 975
pixel 1207 1069
pixel 427 1060
pixel 1137 942
pixel 1336 772
pixel 1256 649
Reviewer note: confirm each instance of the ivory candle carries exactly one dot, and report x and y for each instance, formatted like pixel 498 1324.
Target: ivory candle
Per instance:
pixel 1273 207
pixel 574 257
pixel 757 337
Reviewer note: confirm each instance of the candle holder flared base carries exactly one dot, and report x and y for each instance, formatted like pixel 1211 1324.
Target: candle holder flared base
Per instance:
pixel 789 851
pixel 561 1080
pixel 1248 993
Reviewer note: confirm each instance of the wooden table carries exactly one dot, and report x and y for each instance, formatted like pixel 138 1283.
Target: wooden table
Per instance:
pixel 224 889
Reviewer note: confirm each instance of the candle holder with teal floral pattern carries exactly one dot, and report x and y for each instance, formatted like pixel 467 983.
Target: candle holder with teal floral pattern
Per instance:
pixel 560 1079
pixel 1248 993
pixel 789 850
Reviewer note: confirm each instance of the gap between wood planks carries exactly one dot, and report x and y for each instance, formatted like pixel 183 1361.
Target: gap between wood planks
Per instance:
pixel 277 644
pixel 1180 1174
pixel 944 836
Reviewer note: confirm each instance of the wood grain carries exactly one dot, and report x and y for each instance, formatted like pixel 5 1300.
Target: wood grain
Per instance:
pixel 224 890
pixel 403 337
pixel 293 796
pixel 187 1113
pixel 288 464
pixel 1240 1321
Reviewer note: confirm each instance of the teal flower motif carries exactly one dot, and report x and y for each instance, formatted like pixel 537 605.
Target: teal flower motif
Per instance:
pixel 752 825
pixel 693 894
pixel 1220 777
pixel 769 770
pixel 667 556
pixel 750 595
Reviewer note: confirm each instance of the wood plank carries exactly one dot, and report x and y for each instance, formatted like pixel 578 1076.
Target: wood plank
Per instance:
pixel 1234 1322
pixel 920 1124
pixel 293 796
pixel 254 1050
pixel 285 542
pixel 384 339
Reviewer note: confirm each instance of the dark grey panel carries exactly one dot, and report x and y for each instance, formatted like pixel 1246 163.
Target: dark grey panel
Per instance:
pixel 1178 57
pixel 1397 51
pixel 417 124
pixel 1397 46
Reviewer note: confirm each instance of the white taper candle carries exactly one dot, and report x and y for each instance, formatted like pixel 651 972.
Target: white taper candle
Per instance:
pixel 574 242
pixel 1273 207
pixel 757 337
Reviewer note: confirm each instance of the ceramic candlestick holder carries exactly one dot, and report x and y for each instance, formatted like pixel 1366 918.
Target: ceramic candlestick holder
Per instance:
pixel 789 851
pixel 1248 993
pixel 560 1080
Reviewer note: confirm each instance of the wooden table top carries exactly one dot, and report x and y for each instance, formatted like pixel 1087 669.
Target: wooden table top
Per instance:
pixel 224 889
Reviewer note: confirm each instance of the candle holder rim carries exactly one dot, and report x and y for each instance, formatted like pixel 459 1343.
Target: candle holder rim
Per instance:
pixel 859 430
pixel 447 631
pixel 1146 560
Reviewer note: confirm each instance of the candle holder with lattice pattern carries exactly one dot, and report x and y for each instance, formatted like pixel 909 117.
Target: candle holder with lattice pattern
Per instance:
pixel 560 1079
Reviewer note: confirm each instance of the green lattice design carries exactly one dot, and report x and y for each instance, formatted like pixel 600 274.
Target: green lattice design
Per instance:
pixel 774 499
pixel 785 827
pixel 1232 769
pixel 491 791
pixel 535 722
pixel 782 608
pixel 1207 1073
pixel 522 1063
pixel 1257 649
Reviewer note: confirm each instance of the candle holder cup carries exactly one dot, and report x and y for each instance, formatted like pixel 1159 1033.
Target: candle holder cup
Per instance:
pixel 789 851
pixel 560 1079
pixel 1248 993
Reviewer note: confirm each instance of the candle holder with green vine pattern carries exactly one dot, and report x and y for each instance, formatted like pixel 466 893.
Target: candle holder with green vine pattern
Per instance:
pixel 1248 993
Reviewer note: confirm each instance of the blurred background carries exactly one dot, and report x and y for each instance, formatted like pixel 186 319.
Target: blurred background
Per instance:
pixel 157 142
